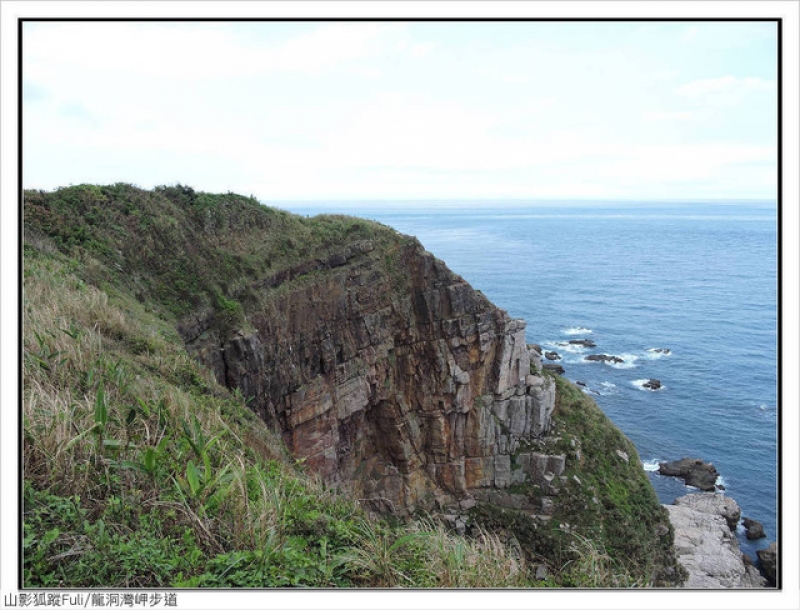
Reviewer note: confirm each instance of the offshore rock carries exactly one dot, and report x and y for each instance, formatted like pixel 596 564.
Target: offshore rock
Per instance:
pixel 754 529
pixel 394 378
pixel 693 471
pixel 706 545
pixel 604 358
pixel 652 384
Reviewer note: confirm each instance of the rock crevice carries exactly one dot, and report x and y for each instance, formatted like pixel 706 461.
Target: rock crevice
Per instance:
pixel 411 387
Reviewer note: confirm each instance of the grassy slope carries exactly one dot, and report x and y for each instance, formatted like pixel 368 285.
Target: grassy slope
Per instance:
pixel 141 471
pixel 182 250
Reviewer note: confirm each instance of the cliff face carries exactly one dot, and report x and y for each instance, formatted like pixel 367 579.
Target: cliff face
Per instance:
pixel 382 370
pixel 388 371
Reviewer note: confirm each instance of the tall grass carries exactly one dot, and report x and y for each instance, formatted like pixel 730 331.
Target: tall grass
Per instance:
pixel 141 471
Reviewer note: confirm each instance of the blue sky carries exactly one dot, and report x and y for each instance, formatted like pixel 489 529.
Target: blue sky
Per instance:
pixel 406 110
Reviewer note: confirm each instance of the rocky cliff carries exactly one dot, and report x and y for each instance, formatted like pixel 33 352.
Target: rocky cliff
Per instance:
pixel 393 376
pixel 384 372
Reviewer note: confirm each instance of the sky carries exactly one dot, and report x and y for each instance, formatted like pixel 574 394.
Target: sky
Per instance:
pixel 408 110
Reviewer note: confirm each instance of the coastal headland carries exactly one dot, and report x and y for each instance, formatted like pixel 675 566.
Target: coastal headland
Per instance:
pixel 197 367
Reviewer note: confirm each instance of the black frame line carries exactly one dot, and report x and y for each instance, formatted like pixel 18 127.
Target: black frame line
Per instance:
pixel 779 200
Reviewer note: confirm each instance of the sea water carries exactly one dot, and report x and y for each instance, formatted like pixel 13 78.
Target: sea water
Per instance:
pixel 638 278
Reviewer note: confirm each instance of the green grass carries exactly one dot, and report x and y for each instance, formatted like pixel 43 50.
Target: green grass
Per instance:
pixel 140 471
pixel 181 249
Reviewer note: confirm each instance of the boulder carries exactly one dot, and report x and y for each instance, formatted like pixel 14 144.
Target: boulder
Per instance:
pixel 554 368
pixel 693 471
pixel 768 559
pixel 552 356
pixel 535 347
pixel 755 529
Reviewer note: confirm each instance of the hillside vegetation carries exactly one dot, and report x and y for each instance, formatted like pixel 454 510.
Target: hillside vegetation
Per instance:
pixel 141 471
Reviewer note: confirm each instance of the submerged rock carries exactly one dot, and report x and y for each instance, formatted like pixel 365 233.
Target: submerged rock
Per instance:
pixel 583 342
pixel 693 471
pixel 604 358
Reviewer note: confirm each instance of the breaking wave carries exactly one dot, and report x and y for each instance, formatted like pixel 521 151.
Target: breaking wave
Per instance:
pixel 628 361
pixel 650 465
pixel 608 388
pixel 639 383
pixel 656 353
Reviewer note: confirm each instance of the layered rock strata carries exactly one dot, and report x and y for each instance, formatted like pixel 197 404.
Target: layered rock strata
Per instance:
pixel 706 544
pixel 389 372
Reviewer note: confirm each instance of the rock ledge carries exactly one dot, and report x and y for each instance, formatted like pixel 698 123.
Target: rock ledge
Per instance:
pixel 706 545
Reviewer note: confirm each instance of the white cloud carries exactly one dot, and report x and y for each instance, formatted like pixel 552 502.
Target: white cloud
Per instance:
pixel 199 52
pixel 157 102
pixel 689 33
pixel 724 85
pixel 653 164
pixel 666 115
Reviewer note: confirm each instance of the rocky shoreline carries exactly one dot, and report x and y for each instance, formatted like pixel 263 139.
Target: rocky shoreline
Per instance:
pixel 706 544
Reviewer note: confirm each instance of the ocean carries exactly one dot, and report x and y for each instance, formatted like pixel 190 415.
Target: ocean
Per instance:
pixel 697 279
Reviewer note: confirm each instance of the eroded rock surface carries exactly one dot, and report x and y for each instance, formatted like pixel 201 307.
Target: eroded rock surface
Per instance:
pixel 410 386
pixel 706 545
pixel 693 471
pixel 713 504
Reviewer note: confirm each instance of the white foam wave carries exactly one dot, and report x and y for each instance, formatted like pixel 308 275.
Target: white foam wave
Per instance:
pixel 577 330
pixel 650 465
pixel 608 389
pixel 628 361
pixel 639 383
pixel 570 347
pixel 656 353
